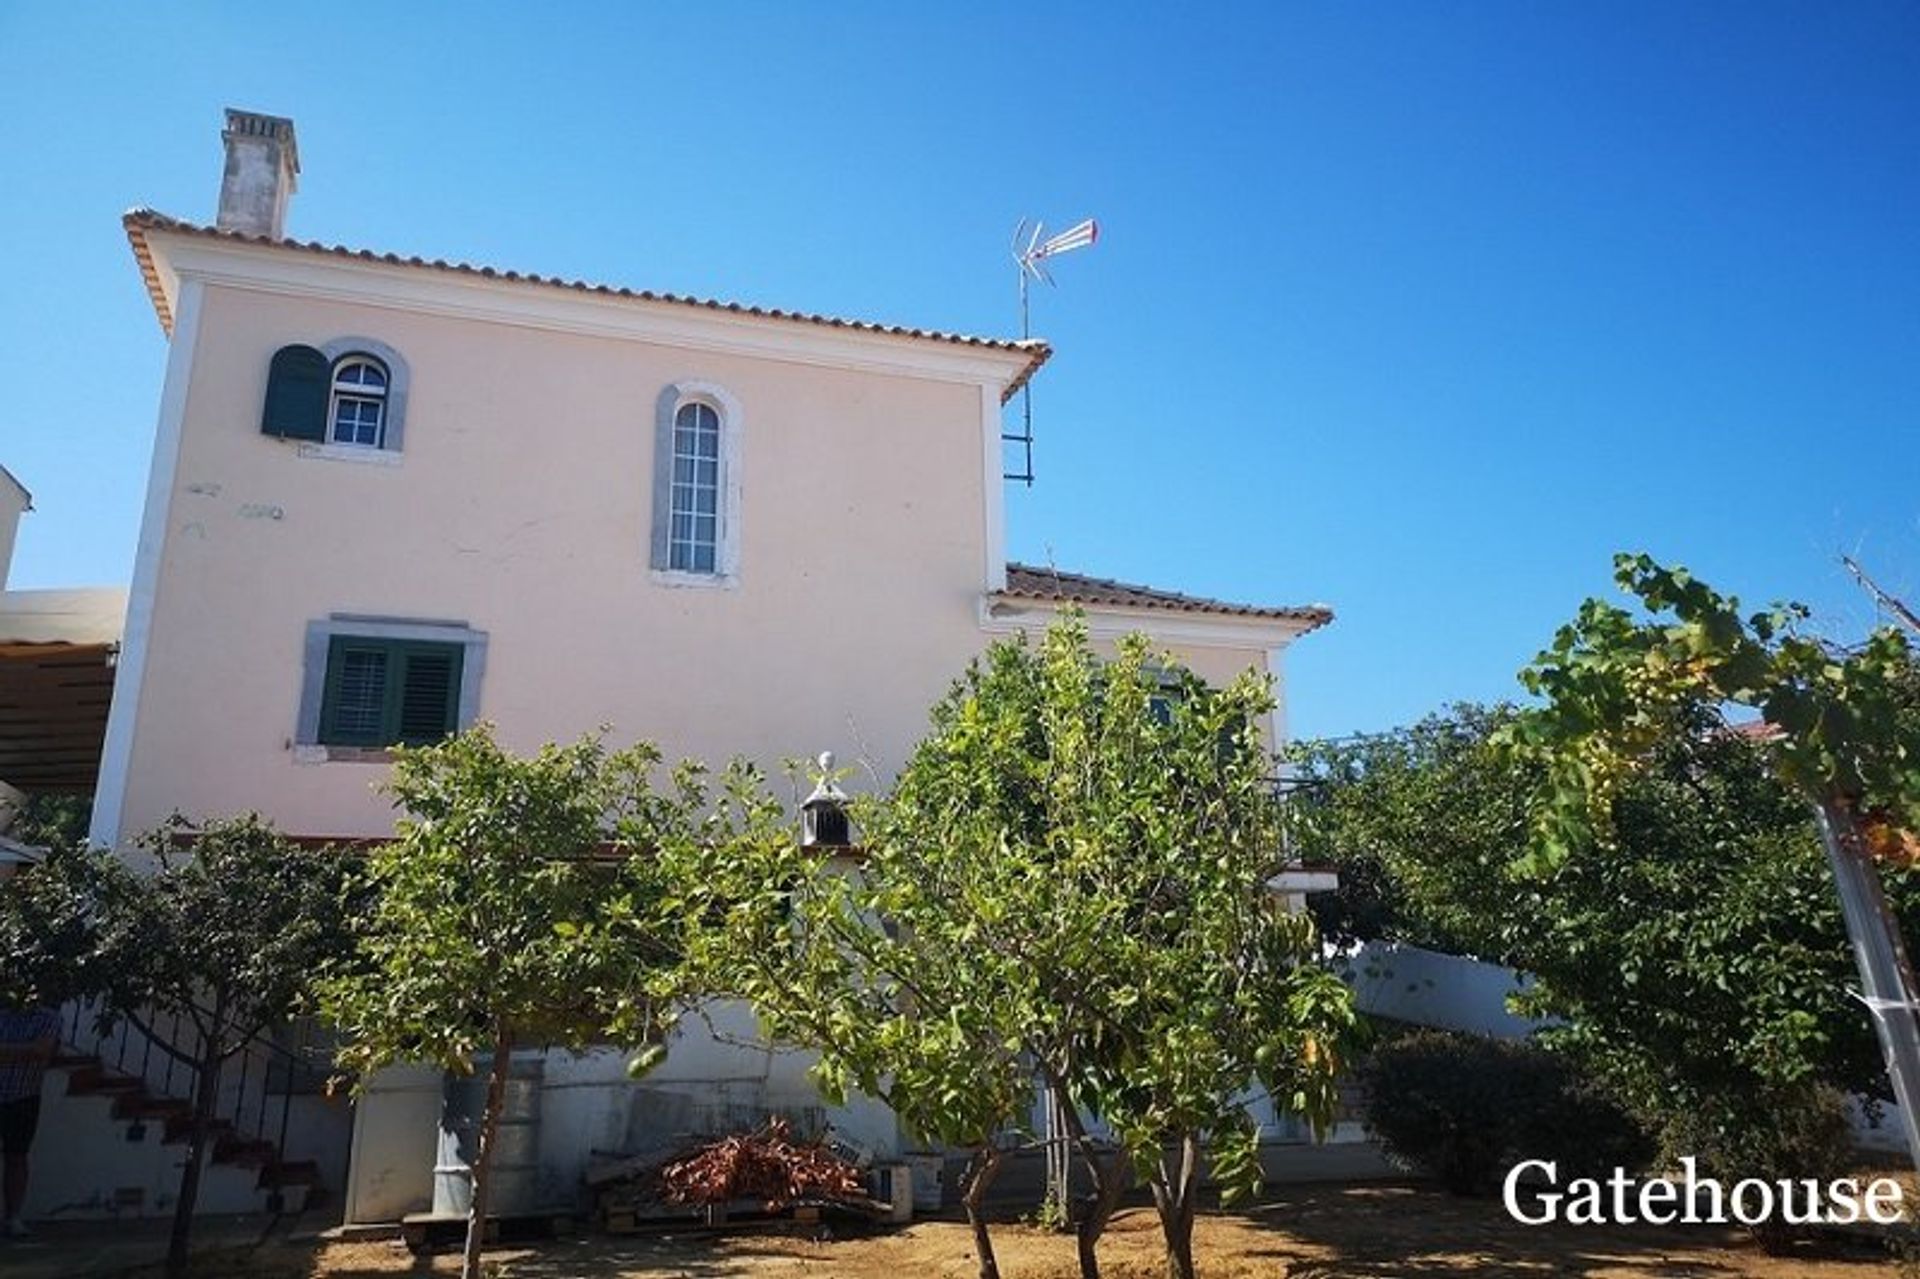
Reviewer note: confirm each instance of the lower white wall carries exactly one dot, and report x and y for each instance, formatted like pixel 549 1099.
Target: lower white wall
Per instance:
pixel 718 1078
pixel 88 1165
pixel 1426 988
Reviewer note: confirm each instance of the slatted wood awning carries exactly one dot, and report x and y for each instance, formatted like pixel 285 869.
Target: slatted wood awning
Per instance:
pixel 57 651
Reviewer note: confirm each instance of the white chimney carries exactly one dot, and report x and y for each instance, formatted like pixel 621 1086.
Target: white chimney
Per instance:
pixel 263 171
pixel 14 502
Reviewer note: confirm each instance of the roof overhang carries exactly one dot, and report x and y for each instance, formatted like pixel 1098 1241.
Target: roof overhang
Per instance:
pixel 169 251
pixel 12 481
pixel 1002 615
pixel 1305 879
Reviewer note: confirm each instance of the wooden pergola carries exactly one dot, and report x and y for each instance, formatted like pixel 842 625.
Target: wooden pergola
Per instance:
pixel 57 654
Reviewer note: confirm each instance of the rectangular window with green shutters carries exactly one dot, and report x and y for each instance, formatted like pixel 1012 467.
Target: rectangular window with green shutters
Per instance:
pixel 386 692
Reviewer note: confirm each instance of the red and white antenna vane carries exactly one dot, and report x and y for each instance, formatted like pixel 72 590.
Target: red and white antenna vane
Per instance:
pixel 1030 254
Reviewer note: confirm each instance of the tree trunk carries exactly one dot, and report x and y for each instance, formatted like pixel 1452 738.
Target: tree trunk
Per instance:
pixel 1108 1183
pixel 981 1170
pixel 1110 1180
pixel 206 1094
pixel 1174 1198
pixel 483 1156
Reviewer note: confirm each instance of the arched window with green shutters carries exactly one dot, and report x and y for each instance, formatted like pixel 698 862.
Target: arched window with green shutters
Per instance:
pixel 299 384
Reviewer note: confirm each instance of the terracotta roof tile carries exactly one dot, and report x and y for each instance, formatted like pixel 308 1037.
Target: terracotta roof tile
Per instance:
pixel 142 220
pixel 1027 582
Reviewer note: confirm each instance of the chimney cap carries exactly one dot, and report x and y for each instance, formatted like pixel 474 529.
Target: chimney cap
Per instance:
pixel 258 124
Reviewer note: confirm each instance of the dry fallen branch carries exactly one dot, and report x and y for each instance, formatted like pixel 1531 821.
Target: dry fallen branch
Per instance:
pixel 768 1166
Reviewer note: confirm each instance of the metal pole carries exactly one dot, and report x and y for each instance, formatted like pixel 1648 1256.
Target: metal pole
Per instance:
pixel 1886 975
pixel 1059 1159
pixel 1026 393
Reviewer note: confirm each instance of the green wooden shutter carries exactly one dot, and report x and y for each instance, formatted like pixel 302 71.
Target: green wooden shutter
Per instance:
pixel 383 692
pixel 298 388
pixel 428 706
pixel 358 690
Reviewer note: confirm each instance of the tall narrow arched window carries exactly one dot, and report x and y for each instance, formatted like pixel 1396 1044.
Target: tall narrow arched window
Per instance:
pixel 357 412
pixel 697 450
pixel 693 543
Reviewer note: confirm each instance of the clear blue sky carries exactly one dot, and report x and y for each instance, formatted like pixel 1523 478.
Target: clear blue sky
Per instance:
pixel 1419 310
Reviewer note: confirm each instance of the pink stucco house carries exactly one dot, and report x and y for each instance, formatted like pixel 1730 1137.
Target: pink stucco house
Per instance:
pixel 390 496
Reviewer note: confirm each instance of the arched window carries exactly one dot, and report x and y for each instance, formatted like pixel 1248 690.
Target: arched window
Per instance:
pixel 696 486
pixel 357 412
pixel 345 399
pixel 694 538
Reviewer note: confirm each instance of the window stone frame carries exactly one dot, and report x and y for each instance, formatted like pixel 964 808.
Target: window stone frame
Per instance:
pixel 394 426
pixel 313 675
pixel 672 399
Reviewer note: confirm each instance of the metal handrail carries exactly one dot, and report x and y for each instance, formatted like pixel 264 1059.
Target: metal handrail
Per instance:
pixel 126 1046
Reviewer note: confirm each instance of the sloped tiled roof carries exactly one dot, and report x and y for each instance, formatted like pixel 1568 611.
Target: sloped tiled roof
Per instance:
pixel 1024 581
pixel 1757 730
pixel 139 222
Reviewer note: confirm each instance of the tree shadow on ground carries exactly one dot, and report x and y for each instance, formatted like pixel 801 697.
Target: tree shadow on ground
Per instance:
pixel 683 1256
pixel 1386 1229
pixel 1374 1230
pixel 549 1259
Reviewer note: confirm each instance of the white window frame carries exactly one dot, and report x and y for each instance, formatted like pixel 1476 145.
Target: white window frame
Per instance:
pixel 358 391
pixel 393 416
pixel 694 419
pixel 726 571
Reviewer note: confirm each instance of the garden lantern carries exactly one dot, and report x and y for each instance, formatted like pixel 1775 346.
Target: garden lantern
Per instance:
pixel 823 814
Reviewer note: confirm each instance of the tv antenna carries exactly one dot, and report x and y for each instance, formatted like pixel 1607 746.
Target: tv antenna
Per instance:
pixel 1031 249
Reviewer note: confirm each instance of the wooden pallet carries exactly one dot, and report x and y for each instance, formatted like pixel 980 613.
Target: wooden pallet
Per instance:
pixel 740 1214
pixel 425 1232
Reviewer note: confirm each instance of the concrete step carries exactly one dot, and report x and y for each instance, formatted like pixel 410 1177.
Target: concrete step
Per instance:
pixel 180 1127
pixel 144 1105
pixel 293 1172
pixel 245 1152
pixel 111 1149
pixel 93 1079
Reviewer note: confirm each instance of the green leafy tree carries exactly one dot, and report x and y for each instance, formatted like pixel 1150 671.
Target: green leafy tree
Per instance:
pixel 1615 685
pixel 507 911
pixel 1844 737
pixel 53 820
pixel 1696 962
pixel 1097 835
pixel 50 921
pixel 837 957
pixel 1426 825
pixel 223 936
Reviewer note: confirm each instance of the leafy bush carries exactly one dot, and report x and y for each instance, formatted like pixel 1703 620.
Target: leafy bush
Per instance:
pixel 1464 1109
pixel 1790 1132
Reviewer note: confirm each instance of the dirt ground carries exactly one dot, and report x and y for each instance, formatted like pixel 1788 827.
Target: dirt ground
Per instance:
pixel 1372 1231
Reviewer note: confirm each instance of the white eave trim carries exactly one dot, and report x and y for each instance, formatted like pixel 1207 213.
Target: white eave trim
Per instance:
pixel 13 480
pixel 267 268
pixel 1002 616
pixel 1301 880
